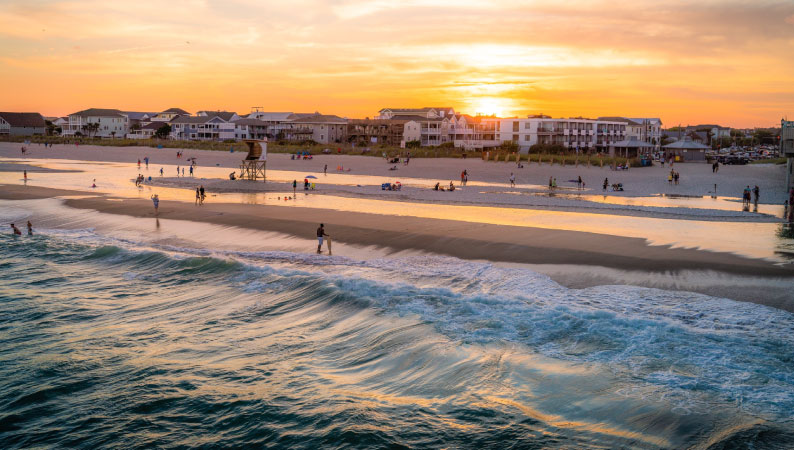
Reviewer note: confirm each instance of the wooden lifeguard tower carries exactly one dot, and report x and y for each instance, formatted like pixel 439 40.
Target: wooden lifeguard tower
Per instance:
pixel 254 164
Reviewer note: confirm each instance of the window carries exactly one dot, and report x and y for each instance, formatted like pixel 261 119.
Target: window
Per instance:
pixel 515 127
pixel 515 137
pixel 526 137
pixel 526 125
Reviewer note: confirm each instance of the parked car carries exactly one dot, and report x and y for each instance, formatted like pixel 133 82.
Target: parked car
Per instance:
pixel 736 160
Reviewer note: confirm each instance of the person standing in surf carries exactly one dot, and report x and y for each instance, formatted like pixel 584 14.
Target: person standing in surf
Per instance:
pixel 320 234
pixel 156 202
pixel 201 192
pixel 16 231
pixel 30 229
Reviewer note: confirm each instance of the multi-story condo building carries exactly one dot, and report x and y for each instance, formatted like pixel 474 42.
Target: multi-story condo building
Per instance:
pixel 22 124
pixel 276 122
pixel 111 123
pixel 578 134
pixel 642 129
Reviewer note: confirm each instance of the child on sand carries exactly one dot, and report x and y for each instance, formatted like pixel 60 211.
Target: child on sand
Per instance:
pixel 156 202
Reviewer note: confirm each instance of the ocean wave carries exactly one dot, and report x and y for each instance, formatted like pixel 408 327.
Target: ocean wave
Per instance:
pixel 678 342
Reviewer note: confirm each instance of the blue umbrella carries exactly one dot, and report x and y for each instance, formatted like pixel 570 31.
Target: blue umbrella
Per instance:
pixel 310 176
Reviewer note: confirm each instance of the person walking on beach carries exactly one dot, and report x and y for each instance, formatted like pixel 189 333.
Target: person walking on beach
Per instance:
pixel 579 183
pixel 183 170
pixel 139 164
pixel 146 159
pixel 191 171
pixel 512 180
pixel 30 229
pixel 198 195
pixel 550 184
pixel 746 196
pixel 606 183
pixel 320 234
pixel 756 194
pixel 156 202
pixel 15 231
pixel 177 171
pixel 25 174
pixel 462 177
pixel 161 171
pixel 325 170
pixel 201 193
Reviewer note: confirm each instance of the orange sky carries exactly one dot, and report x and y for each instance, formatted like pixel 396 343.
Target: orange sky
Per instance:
pixel 686 62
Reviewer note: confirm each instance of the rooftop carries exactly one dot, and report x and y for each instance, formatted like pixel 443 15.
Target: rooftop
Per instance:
pixel 22 119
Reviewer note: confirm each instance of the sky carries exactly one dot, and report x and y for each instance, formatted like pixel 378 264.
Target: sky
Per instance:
pixel 686 62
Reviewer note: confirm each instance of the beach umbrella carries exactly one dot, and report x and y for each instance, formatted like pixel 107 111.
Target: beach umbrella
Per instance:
pixel 310 176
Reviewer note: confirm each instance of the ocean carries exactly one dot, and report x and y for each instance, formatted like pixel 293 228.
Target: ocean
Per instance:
pixel 110 340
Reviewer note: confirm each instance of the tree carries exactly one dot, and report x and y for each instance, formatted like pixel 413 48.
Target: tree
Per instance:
pixel 163 132
pixel 413 144
pixel 91 128
pixel 763 136
pixel 135 127
pixel 50 127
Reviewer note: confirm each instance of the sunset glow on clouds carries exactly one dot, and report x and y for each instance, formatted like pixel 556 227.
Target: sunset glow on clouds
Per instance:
pixel 686 62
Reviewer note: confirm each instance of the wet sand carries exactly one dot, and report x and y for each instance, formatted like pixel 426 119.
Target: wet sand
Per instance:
pixel 466 240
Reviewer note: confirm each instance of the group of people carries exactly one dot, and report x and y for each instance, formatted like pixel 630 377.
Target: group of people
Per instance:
pixel 139 180
pixel 146 160
pixel 748 194
pixel 438 187
pixel 552 183
pixel 16 231
pixel 200 195
pixel 673 176
pixel 464 177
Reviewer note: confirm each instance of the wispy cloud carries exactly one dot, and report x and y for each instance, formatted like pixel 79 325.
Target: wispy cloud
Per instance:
pixel 684 60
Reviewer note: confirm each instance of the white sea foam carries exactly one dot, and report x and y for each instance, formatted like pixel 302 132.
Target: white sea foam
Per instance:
pixel 673 345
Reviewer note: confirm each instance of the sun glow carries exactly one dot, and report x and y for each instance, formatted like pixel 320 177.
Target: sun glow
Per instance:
pixel 490 106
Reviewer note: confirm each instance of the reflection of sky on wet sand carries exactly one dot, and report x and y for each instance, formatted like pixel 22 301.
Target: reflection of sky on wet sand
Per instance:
pixel 761 240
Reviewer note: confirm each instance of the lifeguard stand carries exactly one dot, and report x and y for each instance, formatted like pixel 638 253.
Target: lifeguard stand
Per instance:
pixel 254 164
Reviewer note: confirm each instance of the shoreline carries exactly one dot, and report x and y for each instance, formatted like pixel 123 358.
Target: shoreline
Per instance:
pixel 464 240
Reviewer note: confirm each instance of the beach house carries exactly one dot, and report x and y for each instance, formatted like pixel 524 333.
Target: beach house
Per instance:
pixel 22 124
pixel 473 132
pixel 364 132
pixel 204 127
pixel 320 128
pixel 97 122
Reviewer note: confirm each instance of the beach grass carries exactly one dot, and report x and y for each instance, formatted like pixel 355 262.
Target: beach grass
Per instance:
pixel 770 161
pixel 443 151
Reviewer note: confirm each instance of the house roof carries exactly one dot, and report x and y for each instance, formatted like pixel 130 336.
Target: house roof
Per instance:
pixel 192 119
pixel 319 118
pixel 18 119
pixel 649 119
pixel 176 111
pixel 225 115
pixel 272 116
pixel 632 143
pixel 249 121
pixel 99 112
pixel 619 119
pixel 687 143
pixel 137 115
pixel 152 126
